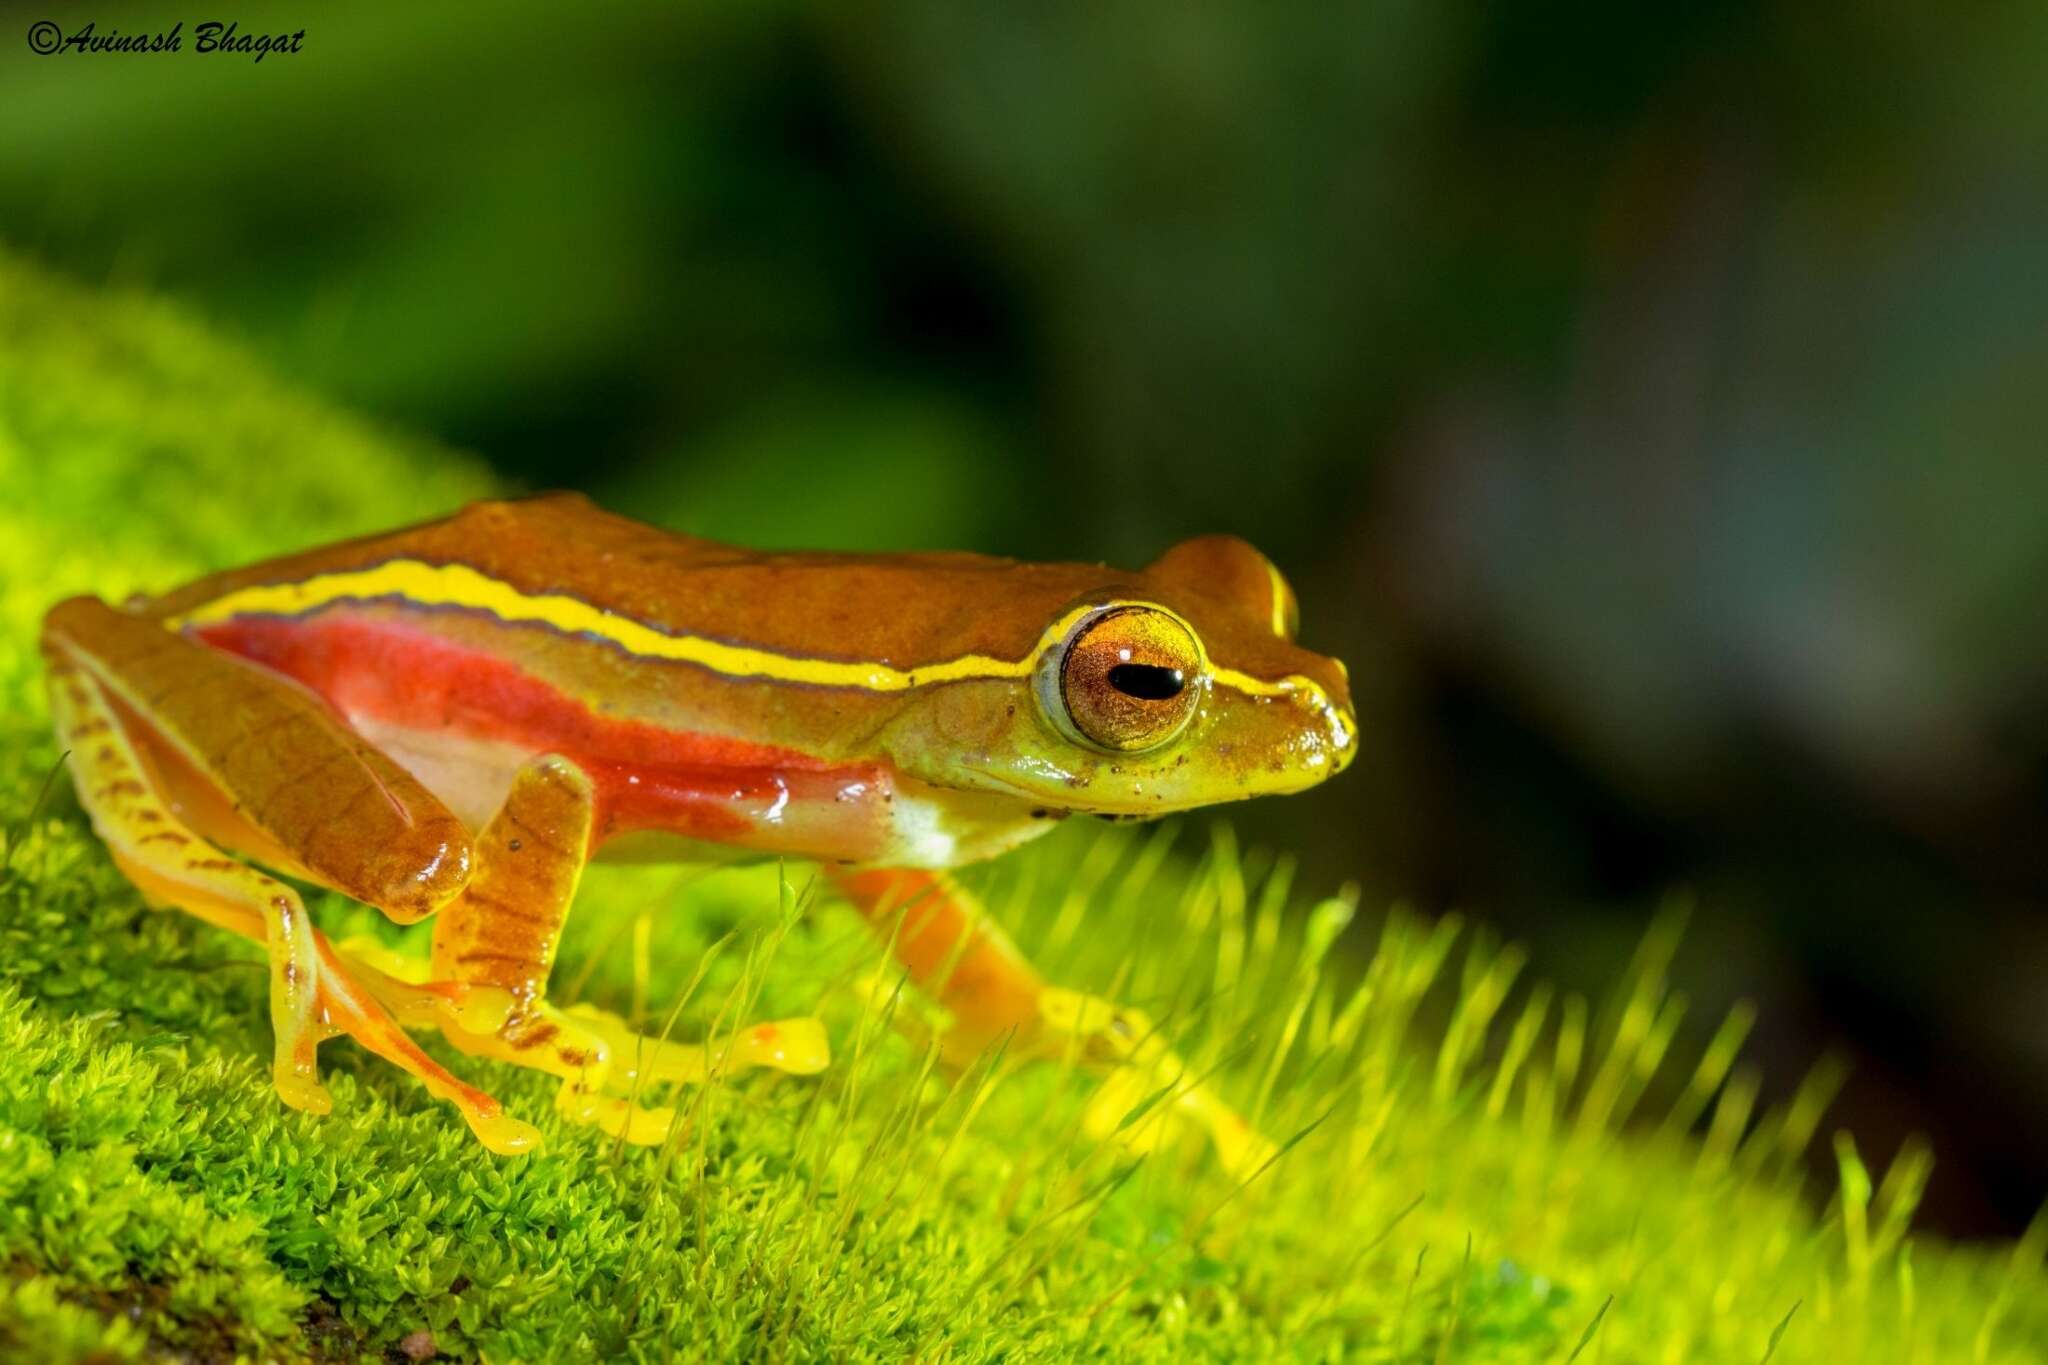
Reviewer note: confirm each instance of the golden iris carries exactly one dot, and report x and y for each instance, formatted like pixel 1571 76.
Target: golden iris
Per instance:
pixel 1131 678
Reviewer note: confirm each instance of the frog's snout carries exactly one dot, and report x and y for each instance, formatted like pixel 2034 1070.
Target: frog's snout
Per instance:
pixel 1342 724
pixel 1290 741
pixel 1332 727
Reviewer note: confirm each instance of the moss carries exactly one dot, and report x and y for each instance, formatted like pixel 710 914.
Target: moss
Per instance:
pixel 1473 1170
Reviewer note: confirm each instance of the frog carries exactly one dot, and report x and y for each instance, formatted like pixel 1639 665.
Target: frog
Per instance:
pixel 449 721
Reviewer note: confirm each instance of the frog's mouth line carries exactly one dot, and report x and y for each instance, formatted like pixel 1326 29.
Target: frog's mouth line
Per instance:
pixel 1120 813
pixel 1022 793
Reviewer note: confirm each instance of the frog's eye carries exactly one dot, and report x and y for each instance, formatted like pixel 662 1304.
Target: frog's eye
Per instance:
pixel 1130 678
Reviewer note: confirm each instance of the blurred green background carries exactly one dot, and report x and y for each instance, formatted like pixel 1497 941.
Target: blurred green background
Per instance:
pixel 1647 403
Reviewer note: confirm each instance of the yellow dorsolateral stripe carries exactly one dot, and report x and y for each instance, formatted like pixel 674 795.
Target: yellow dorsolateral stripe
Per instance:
pixel 1279 589
pixel 458 585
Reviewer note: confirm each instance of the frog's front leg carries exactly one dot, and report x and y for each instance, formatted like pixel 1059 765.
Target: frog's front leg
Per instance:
pixel 163 735
pixel 957 955
pixel 494 945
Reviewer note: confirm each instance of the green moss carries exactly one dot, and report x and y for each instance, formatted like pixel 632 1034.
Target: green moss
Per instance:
pixel 1475 1176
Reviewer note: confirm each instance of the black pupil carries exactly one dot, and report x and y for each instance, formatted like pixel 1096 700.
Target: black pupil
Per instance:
pixel 1147 682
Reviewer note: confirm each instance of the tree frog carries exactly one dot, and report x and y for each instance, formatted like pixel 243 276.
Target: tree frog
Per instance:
pixel 449 720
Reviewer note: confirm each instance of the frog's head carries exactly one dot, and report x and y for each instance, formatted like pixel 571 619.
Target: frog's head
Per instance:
pixel 1175 687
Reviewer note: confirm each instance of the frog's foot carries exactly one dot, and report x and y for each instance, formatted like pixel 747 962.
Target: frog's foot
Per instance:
pixel 1147 1095
pixel 637 1062
pixel 605 1066
pixel 354 1000
pixel 347 998
pixel 797 1046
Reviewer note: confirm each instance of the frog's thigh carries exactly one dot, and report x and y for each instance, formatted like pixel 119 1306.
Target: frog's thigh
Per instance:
pixel 494 947
pixel 262 766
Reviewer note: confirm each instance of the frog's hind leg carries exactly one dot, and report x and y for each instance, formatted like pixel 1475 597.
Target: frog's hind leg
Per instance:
pixel 172 865
pixel 312 995
pixel 495 945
